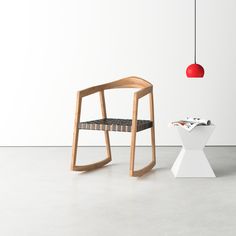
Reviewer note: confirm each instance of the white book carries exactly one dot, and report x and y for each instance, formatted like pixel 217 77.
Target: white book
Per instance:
pixel 190 123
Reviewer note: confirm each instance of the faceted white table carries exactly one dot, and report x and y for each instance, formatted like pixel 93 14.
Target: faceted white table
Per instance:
pixel 192 161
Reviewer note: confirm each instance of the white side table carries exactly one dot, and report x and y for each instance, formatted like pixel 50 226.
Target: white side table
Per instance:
pixel 192 161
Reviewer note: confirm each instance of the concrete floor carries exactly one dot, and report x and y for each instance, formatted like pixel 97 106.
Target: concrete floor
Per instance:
pixel 39 196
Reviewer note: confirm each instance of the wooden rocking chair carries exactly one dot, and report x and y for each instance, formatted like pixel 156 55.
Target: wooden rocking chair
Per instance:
pixel 122 125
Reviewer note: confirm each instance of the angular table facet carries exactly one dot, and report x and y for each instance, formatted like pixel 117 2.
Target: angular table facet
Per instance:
pixel 192 161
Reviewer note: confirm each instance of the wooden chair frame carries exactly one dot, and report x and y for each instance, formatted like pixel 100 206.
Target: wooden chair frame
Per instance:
pixel 129 82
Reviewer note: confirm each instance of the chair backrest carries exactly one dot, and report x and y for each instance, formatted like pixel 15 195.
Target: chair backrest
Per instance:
pixel 129 82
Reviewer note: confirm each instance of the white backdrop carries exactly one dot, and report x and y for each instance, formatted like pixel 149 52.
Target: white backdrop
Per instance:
pixel 49 49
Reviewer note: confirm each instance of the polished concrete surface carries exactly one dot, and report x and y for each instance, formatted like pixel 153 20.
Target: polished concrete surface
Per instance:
pixel 40 196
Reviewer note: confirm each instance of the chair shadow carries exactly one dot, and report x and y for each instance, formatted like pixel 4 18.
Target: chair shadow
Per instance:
pixel 152 172
pixel 98 169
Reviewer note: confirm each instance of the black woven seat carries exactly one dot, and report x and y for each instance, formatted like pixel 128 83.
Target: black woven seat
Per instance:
pixel 121 125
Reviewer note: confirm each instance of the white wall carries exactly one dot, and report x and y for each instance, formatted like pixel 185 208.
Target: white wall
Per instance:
pixel 51 48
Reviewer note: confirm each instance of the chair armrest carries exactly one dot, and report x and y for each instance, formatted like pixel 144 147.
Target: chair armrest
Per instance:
pixel 90 90
pixel 143 92
pixel 137 95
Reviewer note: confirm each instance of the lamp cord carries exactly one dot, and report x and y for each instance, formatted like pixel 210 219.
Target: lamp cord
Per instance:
pixel 195 31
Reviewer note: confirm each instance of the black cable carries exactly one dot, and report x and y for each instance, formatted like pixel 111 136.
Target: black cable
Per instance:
pixel 195 31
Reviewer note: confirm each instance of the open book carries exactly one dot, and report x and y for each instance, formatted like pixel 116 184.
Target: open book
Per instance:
pixel 190 123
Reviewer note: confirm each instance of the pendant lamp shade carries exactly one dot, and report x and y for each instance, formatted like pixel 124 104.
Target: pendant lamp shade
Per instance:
pixel 195 70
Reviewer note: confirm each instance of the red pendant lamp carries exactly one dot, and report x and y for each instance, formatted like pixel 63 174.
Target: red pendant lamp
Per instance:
pixel 195 70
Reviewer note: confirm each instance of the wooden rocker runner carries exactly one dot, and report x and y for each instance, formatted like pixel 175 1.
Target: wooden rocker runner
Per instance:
pixel 121 125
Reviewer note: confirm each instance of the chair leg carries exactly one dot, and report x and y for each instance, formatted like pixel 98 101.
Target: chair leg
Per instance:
pixel 92 166
pixel 74 150
pixel 104 115
pixel 76 131
pixel 153 144
pixel 132 152
pixel 108 146
pixel 147 168
pixel 151 102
